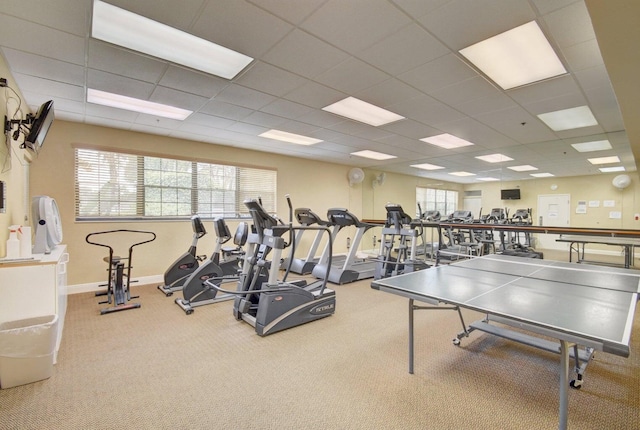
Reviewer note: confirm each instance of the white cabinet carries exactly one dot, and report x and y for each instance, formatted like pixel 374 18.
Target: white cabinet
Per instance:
pixel 35 288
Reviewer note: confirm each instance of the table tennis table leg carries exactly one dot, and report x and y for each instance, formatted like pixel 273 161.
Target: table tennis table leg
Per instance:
pixel 564 384
pixel 411 311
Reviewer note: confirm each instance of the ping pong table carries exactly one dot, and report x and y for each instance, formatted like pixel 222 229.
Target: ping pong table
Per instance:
pixel 577 244
pixel 585 307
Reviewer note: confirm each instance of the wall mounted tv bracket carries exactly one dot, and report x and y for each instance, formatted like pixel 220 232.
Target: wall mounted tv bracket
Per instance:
pixel 23 126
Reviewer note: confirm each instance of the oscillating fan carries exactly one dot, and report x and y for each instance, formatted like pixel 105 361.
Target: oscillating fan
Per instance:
pixel 355 176
pixel 47 224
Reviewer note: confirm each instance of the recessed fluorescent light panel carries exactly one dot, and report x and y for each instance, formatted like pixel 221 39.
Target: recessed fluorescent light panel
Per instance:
pixel 284 136
pixel 604 160
pixel 568 119
pixel 596 145
pixel 523 168
pixel 516 57
pixel 542 175
pixel 136 105
pixel 612 169
pixel 359 110
pixel 373 155
pixel 462 174
pixel 124 28
pixel 487 179
pixel 494 158
pixel 446 141
pixel 427 166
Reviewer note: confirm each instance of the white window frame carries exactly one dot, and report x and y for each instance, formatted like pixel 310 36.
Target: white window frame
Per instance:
pixel 122 186
pixel 445 201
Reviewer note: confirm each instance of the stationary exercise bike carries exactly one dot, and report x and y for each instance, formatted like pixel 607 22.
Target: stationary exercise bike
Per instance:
pixel 180 270
pixel 229 259
pixel 196 292
pixel 118 292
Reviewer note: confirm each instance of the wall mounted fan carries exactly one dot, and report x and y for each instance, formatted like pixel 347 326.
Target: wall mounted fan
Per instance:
pixel 355 176
pixel 379 179
pixel 621 181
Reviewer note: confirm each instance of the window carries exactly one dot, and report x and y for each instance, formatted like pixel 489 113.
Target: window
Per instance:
pixel 430 199
pixel 111 185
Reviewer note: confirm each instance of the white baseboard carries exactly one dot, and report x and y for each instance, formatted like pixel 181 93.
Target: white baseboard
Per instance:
pixel 95 286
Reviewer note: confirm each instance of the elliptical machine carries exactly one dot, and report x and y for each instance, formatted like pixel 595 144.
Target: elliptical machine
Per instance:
pixel 196 291
pixel 176 275
pixel 268 304
pixel 399 225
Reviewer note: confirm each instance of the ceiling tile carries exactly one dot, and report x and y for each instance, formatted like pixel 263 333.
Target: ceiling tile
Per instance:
pixel 351 27
pixel 461 23
pixel 351 76
pixel 434 75
pixel 270 79
pixel 390 54
pixel 305 55
pixel 240 26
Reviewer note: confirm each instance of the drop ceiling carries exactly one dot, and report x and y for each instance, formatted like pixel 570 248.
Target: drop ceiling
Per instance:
pixel 401 55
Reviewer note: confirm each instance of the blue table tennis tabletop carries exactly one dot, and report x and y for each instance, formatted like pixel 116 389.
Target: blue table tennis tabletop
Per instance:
pixel 577 304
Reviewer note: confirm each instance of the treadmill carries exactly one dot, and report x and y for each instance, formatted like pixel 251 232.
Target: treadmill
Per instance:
pixel 353 268
pixel 303 266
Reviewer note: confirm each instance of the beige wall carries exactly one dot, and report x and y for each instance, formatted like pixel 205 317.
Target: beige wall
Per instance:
pixel 309 183
pixel 312 184
pixel 317 185
pixel 13 166
pixel 580 188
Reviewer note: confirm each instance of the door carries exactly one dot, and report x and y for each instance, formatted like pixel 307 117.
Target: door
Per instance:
pixel 553 211
pixel 473 204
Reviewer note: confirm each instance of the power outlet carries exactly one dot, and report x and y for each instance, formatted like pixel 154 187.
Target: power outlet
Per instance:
pixel 3 83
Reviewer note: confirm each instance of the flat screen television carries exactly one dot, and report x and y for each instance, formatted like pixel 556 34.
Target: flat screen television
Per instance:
pixel 511 194
pixel 39 127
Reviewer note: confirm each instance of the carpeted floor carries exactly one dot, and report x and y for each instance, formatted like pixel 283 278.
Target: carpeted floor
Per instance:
pixel 157 368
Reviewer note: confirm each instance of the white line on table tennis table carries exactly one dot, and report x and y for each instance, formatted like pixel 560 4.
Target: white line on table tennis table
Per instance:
pixel 624 273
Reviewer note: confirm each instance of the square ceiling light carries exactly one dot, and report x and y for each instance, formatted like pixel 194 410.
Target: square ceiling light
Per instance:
pixel 446 141
pixel 516 57
pixel 136 105
pixel 487 179
pixel 427 166
pixel 284 136
pixel 362 111
pixel 523 168
pixel 596 145
pixel 132 31
pixel 604 160
pixel 373 155
pixel 612 169
pixel 542 175
pixel 462 174
pixel 568 119
pixel 494 158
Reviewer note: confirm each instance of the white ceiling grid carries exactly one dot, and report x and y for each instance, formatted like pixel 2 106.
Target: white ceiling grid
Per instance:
pixel 401 55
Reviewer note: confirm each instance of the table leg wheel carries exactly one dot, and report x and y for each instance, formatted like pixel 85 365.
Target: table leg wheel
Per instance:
pixel 456 341
pixel 576 384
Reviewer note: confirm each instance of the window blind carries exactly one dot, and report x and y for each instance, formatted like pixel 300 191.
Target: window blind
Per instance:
pixel 112 185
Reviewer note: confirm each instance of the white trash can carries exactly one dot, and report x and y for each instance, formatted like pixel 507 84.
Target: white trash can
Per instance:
pixel 26 350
